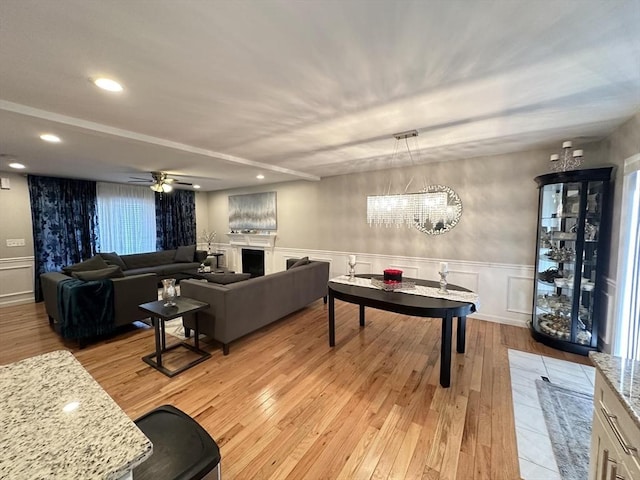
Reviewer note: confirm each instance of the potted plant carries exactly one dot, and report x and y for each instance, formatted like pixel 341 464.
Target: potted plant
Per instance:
pixel 209 238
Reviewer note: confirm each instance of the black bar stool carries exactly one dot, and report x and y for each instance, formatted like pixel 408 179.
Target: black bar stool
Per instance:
pixel 182 449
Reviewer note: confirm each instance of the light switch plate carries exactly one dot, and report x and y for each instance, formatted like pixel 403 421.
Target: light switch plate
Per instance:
pixel 15 242
pixel 5 183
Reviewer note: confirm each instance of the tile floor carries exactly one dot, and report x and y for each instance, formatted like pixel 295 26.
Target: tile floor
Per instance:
pixel 537 461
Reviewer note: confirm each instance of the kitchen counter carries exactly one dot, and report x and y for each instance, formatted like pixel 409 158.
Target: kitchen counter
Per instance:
pixel 623 376
pixel 58 422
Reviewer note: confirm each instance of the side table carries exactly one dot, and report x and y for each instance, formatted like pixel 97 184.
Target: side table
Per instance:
pixel 160 314
pixel 217 255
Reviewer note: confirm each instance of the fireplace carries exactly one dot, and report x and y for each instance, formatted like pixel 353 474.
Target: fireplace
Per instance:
pixel 253 262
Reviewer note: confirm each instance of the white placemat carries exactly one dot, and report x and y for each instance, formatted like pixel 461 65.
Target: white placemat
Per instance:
pixel 455 295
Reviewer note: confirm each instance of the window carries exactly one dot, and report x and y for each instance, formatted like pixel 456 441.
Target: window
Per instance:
pixel 126 218
pixel 627 341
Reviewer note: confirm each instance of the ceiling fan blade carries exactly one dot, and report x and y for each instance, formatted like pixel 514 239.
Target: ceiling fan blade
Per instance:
pixel 183 183
pixel 140 179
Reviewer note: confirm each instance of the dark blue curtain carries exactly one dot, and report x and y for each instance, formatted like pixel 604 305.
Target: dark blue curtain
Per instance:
pixel 175 219
pixel 65 224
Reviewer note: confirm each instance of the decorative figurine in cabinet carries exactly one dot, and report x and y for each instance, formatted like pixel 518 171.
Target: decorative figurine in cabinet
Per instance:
pixel 571 257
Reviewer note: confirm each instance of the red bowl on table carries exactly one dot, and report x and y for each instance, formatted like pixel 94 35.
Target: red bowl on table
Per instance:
pixel 392 275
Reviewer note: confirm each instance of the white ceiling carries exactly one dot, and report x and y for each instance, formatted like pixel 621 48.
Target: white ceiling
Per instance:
pixel 219 91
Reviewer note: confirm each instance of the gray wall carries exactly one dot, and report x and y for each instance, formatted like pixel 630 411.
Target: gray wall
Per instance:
pixel 622 144
pixel 15 217
pixel 498 194
pixel 498 223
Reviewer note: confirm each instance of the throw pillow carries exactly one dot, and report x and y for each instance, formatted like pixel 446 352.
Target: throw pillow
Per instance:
pixel 94 263
pixel 227 278
pixel 185 254
pixel 113 271
pixel 299 263
pixel 113 259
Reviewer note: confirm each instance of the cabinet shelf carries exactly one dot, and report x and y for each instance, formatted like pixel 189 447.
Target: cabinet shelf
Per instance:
pixel 573 238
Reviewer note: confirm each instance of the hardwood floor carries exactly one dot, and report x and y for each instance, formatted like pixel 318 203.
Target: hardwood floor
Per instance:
pixel 284 404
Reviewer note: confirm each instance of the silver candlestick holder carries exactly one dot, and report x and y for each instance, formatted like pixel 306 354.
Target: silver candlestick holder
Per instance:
pixel 352 271
pixel 443 282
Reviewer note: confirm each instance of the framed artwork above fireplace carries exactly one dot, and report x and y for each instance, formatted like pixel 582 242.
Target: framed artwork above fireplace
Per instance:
pixel 255 211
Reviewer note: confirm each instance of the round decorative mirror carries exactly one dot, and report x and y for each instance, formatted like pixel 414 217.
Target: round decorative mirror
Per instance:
pixel 439 211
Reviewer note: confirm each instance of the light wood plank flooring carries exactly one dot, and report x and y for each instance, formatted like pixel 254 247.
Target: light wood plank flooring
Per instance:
pixel 285 405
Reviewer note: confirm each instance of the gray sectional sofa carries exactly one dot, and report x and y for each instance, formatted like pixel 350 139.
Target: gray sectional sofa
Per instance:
pixel 178 264
pixel 135 280
pixel 128 293
pixel 238 309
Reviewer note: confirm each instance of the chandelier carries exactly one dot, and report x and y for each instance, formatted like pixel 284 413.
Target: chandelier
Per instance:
pixel 434 210
pixel 567 160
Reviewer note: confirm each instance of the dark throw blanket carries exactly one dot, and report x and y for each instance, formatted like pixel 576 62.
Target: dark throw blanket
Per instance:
pixel 86 308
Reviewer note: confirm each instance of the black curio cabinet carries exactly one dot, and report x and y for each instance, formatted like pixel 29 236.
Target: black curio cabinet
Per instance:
pixel 571 256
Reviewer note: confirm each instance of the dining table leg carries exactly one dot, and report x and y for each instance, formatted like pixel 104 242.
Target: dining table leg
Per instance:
pixel 362 315
pixel 332 320
pixel 462 325
pixel 445 351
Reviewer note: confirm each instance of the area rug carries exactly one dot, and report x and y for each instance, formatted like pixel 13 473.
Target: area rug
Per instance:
pixel 568 415
pixel 175 328
pixel 172 327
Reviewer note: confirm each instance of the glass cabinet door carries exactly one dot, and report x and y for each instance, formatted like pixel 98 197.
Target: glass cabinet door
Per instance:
pixel 569 221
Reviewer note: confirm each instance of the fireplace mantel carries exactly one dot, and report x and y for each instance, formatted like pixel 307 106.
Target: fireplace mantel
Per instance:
pixel 257 241
pixel 260 240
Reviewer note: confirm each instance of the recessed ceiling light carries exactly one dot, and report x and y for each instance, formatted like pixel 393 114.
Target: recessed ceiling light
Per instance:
pixel 260 177
pixel 196 186
pixel 17 165
pixel 108 84
pixel 49 137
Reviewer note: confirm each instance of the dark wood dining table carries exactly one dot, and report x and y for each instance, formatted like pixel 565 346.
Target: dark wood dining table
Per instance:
pixel 407 304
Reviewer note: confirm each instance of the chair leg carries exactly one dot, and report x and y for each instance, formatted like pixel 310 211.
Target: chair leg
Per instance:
pixel 187 332
pixel 225 349
pixel 324 299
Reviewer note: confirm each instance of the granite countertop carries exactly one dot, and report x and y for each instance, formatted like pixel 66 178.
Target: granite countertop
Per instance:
pixel 58 422
pixel 623 376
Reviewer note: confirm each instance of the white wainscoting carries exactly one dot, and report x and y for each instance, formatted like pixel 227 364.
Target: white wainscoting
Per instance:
pixel 16 280
pixel 607 324
pixel 505 290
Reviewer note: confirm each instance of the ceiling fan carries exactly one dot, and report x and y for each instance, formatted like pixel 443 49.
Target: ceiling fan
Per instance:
pixel 160 182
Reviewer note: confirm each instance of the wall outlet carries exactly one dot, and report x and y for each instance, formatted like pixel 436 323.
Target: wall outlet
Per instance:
pixel 15 242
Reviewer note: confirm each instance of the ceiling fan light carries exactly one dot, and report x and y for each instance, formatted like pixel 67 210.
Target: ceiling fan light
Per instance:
pixel 166 188
pixel 156 187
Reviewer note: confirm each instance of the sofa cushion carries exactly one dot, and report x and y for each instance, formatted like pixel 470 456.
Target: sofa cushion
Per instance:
pixel 226 278
pixel 94 263
pixel 299 263
pixel 150 259
pixel 113 259
pixel 112 271
pixel 185 254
